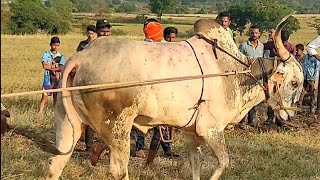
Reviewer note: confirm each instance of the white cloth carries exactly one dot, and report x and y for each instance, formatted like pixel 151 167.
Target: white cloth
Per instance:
pixel 312 47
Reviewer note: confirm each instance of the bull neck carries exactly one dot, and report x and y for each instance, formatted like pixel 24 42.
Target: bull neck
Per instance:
pixel 268 65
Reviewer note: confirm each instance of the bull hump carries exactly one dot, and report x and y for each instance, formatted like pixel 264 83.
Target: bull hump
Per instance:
pixel 204 25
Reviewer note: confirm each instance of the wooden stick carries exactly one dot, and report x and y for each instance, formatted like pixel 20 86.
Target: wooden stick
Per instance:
pixel 126 84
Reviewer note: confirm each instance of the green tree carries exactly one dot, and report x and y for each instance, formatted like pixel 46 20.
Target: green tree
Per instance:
pixel 102 8
pixel 5 19
pixel 262 13
pixel 31 16
pixel 317 25
pixel 83 6
pixel 127 7
pixel 62 15
pixel 161 6
pixel 182 10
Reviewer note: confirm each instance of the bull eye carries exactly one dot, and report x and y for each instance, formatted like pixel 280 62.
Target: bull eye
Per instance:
pixel 280 72
pixel 295 84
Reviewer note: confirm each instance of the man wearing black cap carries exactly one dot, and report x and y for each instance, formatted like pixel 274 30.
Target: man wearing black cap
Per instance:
pixel 103 28
pixel 91 35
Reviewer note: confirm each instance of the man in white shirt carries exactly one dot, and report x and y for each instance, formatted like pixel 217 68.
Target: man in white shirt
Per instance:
pixel 312 48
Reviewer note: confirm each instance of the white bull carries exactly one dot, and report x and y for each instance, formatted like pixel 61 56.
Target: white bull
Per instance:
pixel 112 113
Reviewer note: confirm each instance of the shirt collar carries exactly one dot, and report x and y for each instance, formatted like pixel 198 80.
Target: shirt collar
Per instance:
pixel 54 55
pixel 249 42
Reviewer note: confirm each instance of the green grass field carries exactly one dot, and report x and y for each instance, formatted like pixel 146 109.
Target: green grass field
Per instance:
pixel 292 154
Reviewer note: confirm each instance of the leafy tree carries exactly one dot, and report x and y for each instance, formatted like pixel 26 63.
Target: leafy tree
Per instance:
pixel 83 6
pixel 62 15
pixel 161 6
pixel 127 7
pixel 202 11
pixel 31 16
pixel 182 10
pixel 101 8
pixel 262 13
pixel 5 19
pixel 317 25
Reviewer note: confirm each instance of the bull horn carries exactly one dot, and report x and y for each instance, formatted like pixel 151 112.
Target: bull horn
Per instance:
pixel 282 51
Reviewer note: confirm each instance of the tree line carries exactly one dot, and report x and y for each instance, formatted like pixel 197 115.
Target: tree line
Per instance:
pixel 55 16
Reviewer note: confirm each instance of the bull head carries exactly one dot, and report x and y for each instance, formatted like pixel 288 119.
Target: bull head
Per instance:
pixel 286 83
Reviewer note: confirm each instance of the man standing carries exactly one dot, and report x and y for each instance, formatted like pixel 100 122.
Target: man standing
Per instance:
pixel 51 67
pixel 103 28
pixel 311 49
pixel 170 34
pixel 225 21
pixel 285 40
pixel 91 35
pixel 252 48
pixel 269 45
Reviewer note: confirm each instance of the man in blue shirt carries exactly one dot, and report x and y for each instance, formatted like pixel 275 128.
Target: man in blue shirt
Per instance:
pixel 251 48
pixel 52 69
pixel 311 49
pixel 310 73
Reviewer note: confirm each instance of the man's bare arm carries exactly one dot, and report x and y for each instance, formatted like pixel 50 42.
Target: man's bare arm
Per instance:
pixel 54 67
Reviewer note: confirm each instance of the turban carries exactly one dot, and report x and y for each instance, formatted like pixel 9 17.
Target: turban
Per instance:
pixel 153 31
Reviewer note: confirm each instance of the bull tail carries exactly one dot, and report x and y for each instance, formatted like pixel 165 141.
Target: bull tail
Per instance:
pixel 71 113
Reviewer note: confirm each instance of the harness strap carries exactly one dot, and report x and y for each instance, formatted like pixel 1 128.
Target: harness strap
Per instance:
pixel 196 106
pixel 215 46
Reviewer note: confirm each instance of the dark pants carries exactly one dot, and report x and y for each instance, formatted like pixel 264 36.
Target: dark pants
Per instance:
pixel 309 86
pixel 156 140
pixel 270 113
pixel 89 137
pixel 249 117
pixel 139 137
pixel 4 125
pixel 252 114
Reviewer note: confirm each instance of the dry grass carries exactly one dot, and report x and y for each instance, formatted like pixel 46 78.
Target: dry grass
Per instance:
pixel 270 155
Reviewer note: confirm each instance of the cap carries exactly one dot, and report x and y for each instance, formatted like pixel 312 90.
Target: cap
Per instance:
pixel 102 23
pixel 55 39
pixel 91 28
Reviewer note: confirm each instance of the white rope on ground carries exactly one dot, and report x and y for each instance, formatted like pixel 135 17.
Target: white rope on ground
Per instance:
pixel 110 86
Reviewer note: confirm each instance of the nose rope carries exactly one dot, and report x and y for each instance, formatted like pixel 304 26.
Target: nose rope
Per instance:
pixel 282 106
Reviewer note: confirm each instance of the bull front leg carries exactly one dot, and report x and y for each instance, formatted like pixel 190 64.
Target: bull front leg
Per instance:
pixel 194 155
pixel 216 142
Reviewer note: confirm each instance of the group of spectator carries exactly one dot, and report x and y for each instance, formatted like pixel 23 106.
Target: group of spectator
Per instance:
pixel 253 47
pixel 53 62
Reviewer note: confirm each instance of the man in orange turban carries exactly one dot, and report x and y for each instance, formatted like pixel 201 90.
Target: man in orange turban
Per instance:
pixel 153 30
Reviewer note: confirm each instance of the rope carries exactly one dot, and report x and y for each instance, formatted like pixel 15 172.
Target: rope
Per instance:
pixel 111 86
pixel 196 106
pixel 214 43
